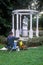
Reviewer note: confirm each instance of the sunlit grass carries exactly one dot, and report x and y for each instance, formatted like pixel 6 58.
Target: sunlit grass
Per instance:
pixel 32 56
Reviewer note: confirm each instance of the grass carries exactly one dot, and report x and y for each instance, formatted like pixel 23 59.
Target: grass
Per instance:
pixel 32 56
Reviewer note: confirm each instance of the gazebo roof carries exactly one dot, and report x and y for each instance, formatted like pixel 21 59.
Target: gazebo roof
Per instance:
pixel 24 11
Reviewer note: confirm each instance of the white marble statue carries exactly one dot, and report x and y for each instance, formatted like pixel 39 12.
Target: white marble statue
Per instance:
pixel 25 26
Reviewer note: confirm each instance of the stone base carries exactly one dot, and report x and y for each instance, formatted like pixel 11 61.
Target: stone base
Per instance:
pixel 17 33
pixel 25 32
pixel 20 32
pixel 31 34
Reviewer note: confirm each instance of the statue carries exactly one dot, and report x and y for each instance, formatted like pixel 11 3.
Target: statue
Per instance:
pixel 25 26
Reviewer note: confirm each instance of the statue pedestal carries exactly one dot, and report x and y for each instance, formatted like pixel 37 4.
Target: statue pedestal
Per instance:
pixel 25 32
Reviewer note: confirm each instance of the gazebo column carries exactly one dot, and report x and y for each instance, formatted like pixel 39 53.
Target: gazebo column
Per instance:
pixel 37 31
pixel 17 30
pixel 20 24
pixel 13 24
pixel 30 31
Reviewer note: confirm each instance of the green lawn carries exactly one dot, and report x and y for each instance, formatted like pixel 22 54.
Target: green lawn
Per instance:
pixel 32 56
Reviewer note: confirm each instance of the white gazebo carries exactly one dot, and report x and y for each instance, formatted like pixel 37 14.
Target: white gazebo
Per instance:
pixel 18 15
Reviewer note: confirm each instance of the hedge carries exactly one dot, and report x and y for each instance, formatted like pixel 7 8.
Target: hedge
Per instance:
pixel 40 33
pixel 34 41
pixel 3 40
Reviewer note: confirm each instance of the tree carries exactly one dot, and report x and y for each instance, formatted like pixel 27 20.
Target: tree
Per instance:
pixel 40 5
pixel 41 21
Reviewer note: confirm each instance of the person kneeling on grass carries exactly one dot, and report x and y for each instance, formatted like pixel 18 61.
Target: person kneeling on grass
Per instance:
pixel 10 41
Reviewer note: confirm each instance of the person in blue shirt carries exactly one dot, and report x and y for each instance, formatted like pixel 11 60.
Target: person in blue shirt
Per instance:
pixel 10 41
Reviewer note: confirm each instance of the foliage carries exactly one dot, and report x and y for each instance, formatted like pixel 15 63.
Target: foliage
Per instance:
pixel 40 5
pixel 41 33
pixel 41 21
pixel 3 40
pixel 35 41
pixel 8 5
pixel 5 27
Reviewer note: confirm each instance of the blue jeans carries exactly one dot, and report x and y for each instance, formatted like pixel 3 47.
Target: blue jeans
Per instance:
pixel 15 44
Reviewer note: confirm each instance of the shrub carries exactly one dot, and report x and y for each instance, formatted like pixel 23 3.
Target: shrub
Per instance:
pixel 40 33
pixel 3 40
pixel 34 41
